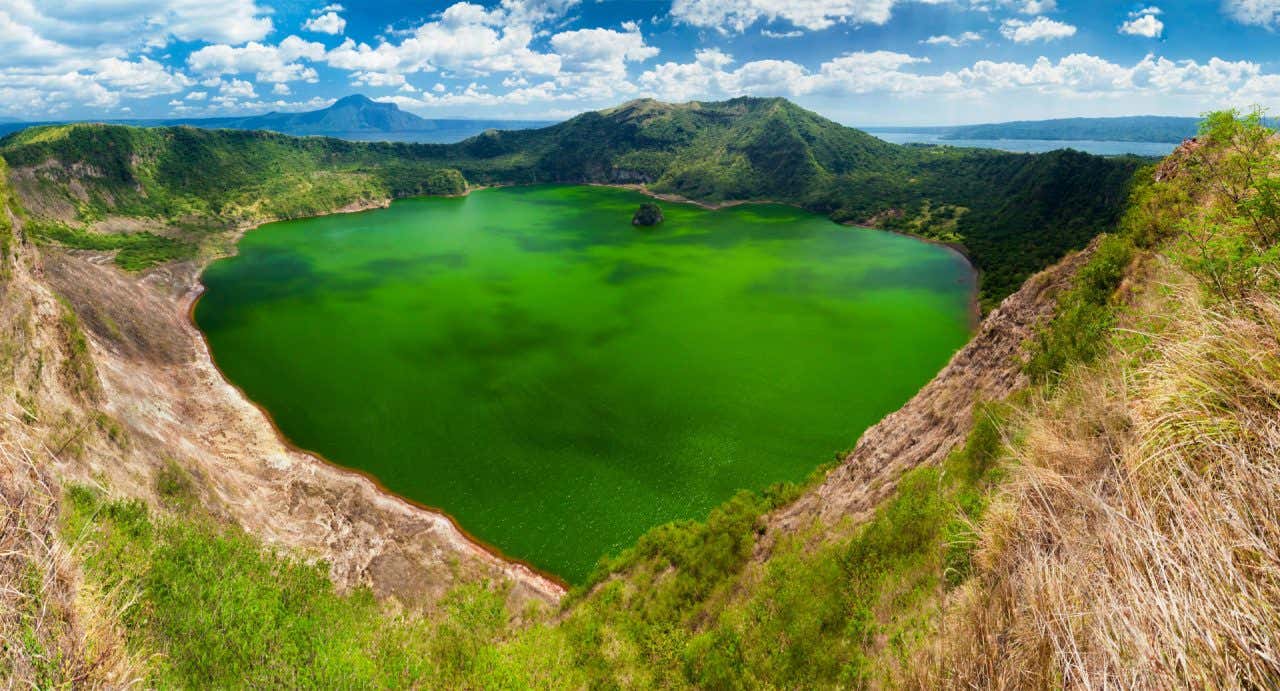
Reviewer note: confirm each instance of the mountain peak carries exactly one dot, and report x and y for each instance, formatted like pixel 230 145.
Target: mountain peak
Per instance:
pixel 357 100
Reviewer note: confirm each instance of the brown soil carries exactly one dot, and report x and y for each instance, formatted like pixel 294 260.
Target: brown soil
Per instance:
pixel 160 384
pixel 936 420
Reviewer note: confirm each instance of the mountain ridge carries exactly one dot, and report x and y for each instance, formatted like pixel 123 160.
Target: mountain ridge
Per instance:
pixel 354 116
pixel 1108 519
pixel 1014 213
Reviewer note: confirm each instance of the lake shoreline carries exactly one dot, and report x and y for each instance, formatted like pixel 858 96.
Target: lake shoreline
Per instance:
pixel 559 586
pixel 492 550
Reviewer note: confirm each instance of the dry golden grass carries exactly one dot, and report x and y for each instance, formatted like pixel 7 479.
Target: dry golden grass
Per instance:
pixel 1137 544
pixel 53 634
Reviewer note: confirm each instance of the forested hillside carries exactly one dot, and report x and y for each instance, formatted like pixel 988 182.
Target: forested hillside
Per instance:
pixel 1110 521
pixel 1013 213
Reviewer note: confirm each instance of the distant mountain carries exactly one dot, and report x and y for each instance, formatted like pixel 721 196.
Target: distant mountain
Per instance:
pixel 1013 214
pixel 1140 128
pixel 351 114
pixel 355 117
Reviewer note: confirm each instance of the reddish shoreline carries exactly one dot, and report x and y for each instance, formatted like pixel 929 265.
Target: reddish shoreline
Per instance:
pixel 197 291
pixel 193 298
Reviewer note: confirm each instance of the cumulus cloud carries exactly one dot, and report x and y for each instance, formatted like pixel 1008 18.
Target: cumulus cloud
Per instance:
pixel 470 39
pixel 1028 7
pixel 1255 12
pixel 91 30
pixel 953 41
pixel 465 37
pixel 714 74
pixel 602 51
pixel 1038 29
pixel 59 53
pixel 268 63
pixel 734 16
pixel 327 23
pixel 1145 22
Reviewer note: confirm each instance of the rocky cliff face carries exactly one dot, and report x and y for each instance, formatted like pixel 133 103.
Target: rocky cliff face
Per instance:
pixel 112 382
pixel 937 419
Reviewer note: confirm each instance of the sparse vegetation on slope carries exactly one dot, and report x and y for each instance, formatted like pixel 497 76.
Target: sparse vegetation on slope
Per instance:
pixel 184 182
pixel 1137 541
pixel 1114 524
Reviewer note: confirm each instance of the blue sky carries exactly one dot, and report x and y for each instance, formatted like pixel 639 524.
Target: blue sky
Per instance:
pixel 861 62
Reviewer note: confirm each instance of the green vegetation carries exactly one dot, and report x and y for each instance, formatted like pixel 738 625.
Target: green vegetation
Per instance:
pixel 77 367
pixel 649 214
pixel 207 606
pixel 211 178
pixel 134 251
pixel 1234 246
pixel 1014 213
pixel 1086 314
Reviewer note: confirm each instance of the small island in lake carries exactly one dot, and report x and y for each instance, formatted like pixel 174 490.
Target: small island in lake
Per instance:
pixel 649 214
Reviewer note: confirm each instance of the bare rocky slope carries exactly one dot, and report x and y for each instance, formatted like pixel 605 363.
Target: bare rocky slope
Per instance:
pixel 112 382
pixel 937 420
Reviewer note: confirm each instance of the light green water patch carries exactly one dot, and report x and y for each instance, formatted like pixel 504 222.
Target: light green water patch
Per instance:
pixel 560 381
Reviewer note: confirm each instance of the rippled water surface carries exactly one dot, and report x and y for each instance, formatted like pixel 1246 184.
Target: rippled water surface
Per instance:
pixel 560 381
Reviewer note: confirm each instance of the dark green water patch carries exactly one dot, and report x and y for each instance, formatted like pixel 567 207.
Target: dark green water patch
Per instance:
pixel 560 382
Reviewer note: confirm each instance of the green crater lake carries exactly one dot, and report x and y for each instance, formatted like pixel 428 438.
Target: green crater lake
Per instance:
pixel 559 381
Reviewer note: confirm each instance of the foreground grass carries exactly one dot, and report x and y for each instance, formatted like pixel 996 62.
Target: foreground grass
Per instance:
pixel 1111 526
pixel 208 605
pixel 1137 541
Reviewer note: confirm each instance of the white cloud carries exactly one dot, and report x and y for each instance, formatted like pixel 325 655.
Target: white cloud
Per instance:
pixel 1036 6
pixel 1144 22
pixel 328 23
pixel 143 77
pixel 736 15
pixel 237 88
pixel 1038 29
pixel 1255 12
pixel 465 38
pixel 276 64
pixel 468 39
pixel 1075 77
pixel 795 33
pixel 110 29
pixel 602 51
pixel 60 53
pixel 710 76
pixel 953 41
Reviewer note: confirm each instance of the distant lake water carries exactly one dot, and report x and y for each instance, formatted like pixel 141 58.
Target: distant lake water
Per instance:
pixel 559 381
pixel 1034 146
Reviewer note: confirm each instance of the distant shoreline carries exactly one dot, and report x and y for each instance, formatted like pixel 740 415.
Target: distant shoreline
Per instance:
pixel 975 305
